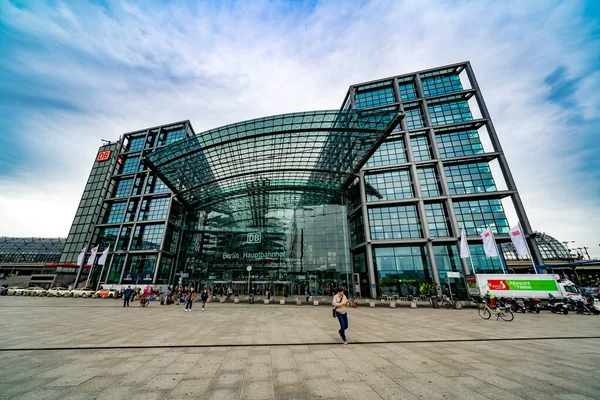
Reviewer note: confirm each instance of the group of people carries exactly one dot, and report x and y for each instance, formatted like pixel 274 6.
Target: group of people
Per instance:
pixel 187 295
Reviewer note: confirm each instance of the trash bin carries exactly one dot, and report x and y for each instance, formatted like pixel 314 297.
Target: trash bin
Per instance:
pixel 434 302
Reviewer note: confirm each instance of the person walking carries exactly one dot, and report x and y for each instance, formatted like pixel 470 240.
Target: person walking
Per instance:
pixel 166 295
pixel 340 303
pixel 190 300
pixel 204 297
pixel 127 296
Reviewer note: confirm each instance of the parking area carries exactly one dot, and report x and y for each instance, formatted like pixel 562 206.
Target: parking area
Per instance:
pixel 233 351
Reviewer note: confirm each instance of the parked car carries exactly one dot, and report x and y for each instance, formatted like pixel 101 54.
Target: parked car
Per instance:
pixel 35 291
pixel 16 291
pixel 3 290
pixel 57 291
pixel 111 293
pixel 82 292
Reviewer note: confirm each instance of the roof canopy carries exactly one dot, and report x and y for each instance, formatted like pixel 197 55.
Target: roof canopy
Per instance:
pixel 281 161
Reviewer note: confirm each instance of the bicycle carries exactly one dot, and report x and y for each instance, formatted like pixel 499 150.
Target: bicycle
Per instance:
pixel 451 303
pixel 144 301
pixel 501 312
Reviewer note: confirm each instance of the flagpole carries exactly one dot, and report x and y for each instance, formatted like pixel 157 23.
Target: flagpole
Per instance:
pixel 496 246
pixel 470 257
pixel 526 245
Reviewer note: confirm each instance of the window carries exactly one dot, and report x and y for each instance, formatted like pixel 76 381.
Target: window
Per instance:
pixel 407 89
pixel 130 164
pixel 429 182
pixel 115 270
pixel 123 241
pixel 131 210
pixel 115 215
pixel 170 135
pixel 357 232
pixel 414 117
pixel 374 95
pixel 475 215
pixel 449 112
pixel 470 178
pixel 136 142
pixel 400 271
pixel 147 237
pixel 124 188
pixel 107 237
pixel 401 222
pixel 155 185
pixel 441 84
pixel 154 209
pixel 390 185
pixel 437 220
pixel 457 144
pixel 484 264
pixel 420 147
pixel 391 152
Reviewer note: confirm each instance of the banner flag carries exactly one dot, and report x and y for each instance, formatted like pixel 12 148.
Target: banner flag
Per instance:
pixel 489 244
pixel 80 257
pixel 92 257
pixel 464 246
pixel 518 240
pixel 103 257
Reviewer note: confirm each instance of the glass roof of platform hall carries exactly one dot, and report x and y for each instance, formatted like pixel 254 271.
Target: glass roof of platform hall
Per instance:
pixel 283 160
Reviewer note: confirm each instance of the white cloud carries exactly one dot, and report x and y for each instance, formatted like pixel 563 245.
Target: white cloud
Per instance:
pixel 138 66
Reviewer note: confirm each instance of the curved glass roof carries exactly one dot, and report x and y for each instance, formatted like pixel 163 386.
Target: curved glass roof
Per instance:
pixel 288 160
pixel 33 250
pixel 550 248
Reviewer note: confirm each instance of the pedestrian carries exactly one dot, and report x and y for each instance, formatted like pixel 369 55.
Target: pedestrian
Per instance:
pixel 190 300
pixel 127 296
pixel 268 294
pixel 204 297
pixel 340 302
pixel 308 295
pixel 166 295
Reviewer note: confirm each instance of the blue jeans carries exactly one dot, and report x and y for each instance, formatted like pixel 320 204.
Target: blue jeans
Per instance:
pixel 203 304
pixel 343 318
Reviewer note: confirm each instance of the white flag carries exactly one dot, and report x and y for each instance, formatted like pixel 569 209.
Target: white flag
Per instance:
pixel 516 235
pixel 80 256
pixel 489 244
pixel 103 257
pixel 464 246
pixel 92 257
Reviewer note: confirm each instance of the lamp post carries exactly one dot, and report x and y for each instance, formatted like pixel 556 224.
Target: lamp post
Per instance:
pixel 249 268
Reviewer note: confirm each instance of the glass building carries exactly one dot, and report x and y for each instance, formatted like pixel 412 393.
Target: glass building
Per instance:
pixel 371 196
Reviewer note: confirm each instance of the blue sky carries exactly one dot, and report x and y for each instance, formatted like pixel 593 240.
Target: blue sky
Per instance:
pixel 77 72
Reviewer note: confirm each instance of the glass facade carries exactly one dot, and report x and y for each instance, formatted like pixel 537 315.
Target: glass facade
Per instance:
pixel 286 196
pixel 390 185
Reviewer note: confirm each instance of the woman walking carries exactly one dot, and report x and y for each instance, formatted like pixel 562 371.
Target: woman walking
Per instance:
pixel 340 302
pixel 190 300
pixel 204 297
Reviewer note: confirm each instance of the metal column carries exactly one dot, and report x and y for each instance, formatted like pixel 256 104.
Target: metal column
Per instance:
pixel 368 247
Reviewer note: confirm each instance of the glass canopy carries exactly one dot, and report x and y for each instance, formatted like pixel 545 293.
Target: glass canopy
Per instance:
pixel 282 161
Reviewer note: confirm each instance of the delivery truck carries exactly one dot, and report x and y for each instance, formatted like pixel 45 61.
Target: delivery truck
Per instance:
pixel 522 286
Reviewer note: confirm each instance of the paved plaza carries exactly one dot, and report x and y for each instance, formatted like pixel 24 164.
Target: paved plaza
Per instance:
pixel 67 348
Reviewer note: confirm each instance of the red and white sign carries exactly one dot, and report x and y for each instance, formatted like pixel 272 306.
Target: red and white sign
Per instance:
pixel 103 155
pixel 497 284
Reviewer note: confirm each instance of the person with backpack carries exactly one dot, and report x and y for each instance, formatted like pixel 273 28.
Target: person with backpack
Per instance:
pixel 340 303
pixel 204 297
pixel 190 300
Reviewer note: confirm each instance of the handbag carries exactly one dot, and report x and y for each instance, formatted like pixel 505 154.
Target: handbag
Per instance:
pixel 334 314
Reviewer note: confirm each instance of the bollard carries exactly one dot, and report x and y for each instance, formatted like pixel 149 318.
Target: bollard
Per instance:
pixel 392 304
pixel 316 302
pixel 282 302
pixel 413 304
pixel 298 302
pixel 372 304
pixel 222 299
pixel 236 300
pixel 267 301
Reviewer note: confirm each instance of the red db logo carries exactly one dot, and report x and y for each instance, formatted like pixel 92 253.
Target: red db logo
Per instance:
pixel 103 155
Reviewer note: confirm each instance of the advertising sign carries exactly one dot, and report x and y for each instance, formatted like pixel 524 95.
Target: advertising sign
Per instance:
pixel 103 155
pixel 548 285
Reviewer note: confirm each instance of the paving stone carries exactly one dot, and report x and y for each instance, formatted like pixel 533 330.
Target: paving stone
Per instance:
pixel 258 390
pixel 189 389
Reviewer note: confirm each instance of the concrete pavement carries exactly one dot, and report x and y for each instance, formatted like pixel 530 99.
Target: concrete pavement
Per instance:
pixel 105 351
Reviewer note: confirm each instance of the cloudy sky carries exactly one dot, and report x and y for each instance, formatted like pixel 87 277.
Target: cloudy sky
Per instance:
pixel 73 73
